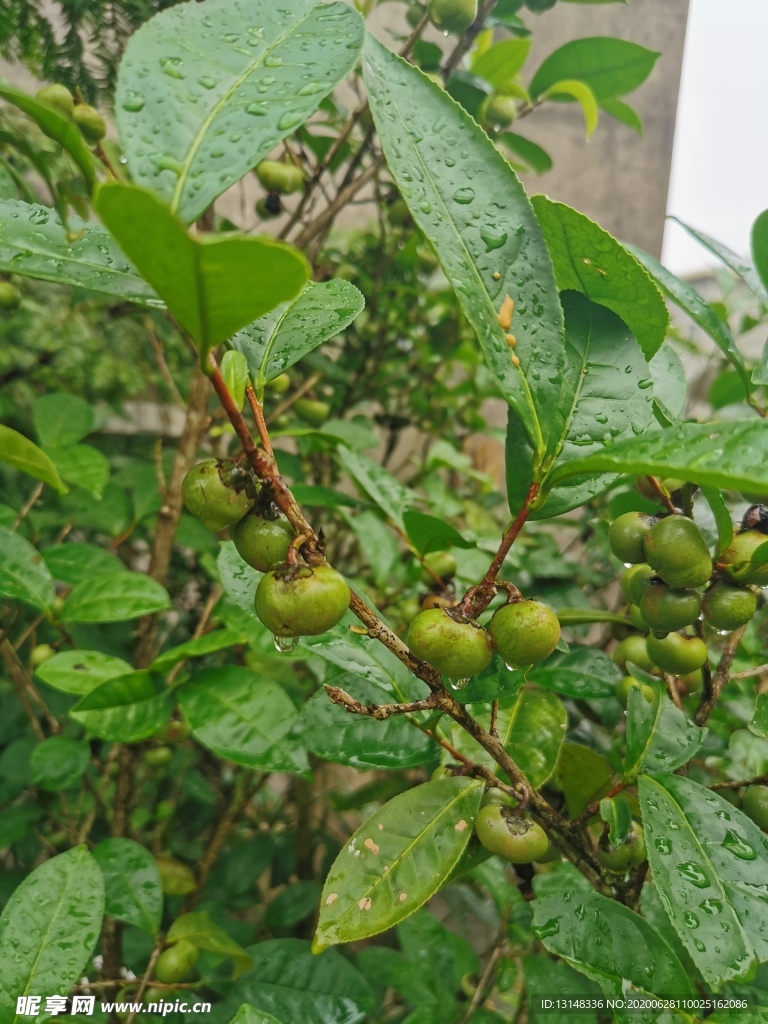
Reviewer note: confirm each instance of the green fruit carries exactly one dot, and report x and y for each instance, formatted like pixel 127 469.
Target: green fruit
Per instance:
pixel 408 609
pixel 754 803
pixel 636 618
pixel 41 654
pixel 267 210
pixel 414 14
pixel 312 411
pixel 454 16
pixel 628 855
pixel 176 963
pixel 218 493
pixel 499 797
pixel 301 601
pixel 692 682
pixel 175 731
pixel 176 878
pixel 734 561
pixel 677 653
pixel 637 580
pixel 457 648
pixel 524 633
pixel 92 125
pixel 438 563
pixel 553 853
pixel 263 543
pixel 57 96
pixel 632 649
pixel 518 840
pixel 626 535
pixel 280 177
pixel 398 213
pixel 498 111
pixel 627 683
pixel 666 609
pixel 726 606
pixel 10 296
pixel 278 385
pixel 156 757
pixel 675 548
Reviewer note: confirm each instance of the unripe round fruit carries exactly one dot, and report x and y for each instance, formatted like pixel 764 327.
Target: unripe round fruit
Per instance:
pixel 636 618
pixel 156 757
pixel 498 111
pixel 175 731
pixel 454 16
pixel 90 122
pixel 552 854
pixel 57 96
pixel 676 653
pixel 263 543
pixel 734 561
pixel 10 296
pixel 457 648
pixel 692 682
pixel 633 649
pixel 675 548
pixel 444 600
pixel 41 654
pixel 312 411
pixel 638 579
pixel 627 683
pixel 176 963
pixel 301 601
pixel 626 534
pixel 176 878
pixel 498 797
pixel 524 633
pixel 726 606
pixel 666 609
pixel 398 213
pixel 216 493
pixel 279 177
pixel 441 563
pixel 755 805
pixel 278 385
pixel 518 840
pixel 628 855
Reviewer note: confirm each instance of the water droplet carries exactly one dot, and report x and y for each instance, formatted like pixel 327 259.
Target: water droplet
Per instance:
pixel 738 847
pixel 257 109
pixel 207 82
pixel 273 62
pixel 493 238
pixel 695 874
pixel 172 67
pixel 464 196
pixel 133 102
pixel 711 907
pixel 663 845
pixel 285 644
pixel 551 927
pixel 458 684
pixel 290 120
pixel 645 383
pixel 690 919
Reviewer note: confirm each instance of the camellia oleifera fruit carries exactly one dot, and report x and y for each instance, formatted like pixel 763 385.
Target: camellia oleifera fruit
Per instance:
pixel 675 549
pixel 755 805
pixel 276 176
pixel 632 648
pixel 263 542
pixel 677 653
pixel 627 683
pixel 524 632
pixel 626 535
pixel 635 581
pixel 176 878
pixel 516 839
pixel 665 609
pixel 440 564
pixel 454 16
pixel 498 111
pixel 176 963
pixel 218 493
pixel 457 647
pixel 628 855
pixel 10 296
pixel 90 122
pixel 57 96
pixel 299 600
pixel 735 561
pixel 727 606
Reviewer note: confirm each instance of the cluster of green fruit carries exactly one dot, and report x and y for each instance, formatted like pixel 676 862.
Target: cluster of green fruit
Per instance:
pixel 293 599
pixel 279 178
pixel 92 126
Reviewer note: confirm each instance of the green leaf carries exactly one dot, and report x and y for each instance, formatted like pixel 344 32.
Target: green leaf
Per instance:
pixel 23 577
pixel 385 490
pixel 732 455
pixel 83 465
pixel 545 978
pixel 243 717
pixel 669 383
pixel 396 860
pixel 583 95
pixel 583 775
pixel 250 1015
pixel 468 202
pixel 589 260
pixel 617 815
pixel 709 865
pixel 21 453
pixel 428 533
pixel 49 928
pixel 529 152
pixel 132 883
pixel 584 674
pixel 610 67
pixel 722 516
pixel 367 658
pixel 57 126
pixel 741 267
pixel 609 944
pixel 35 243
pixel 125 709
pixel 216 90
pixel 623 112
pixel 198 647
pixel 213 286
pixel 62 420
pixel 115 598
pixel 238 578
pixel 760 247
pixel 58 763
pixel 659 736
pixel 234 370
pixel 289 982
pixel 202 932
pixel 77 561
pixel 502 61
pixel 688 299
pixel 759 723
pixel 760 371
pixel 356 740
pixel 81 671
pixel 293 329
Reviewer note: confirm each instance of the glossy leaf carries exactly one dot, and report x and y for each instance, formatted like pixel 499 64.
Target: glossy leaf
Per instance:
pixel 115 598
pixel 659 736
pixel 288 981
pixel 49 929
pixel 623 112
pixel 132 883
pixel 62 420
pixel 396 860
pixel 709 865
pixel 198 647
pixel 589 260
pixel 741 267
pixel 234 370
pixel 545 978
pixel 214 109
pixel 21 453
pixel 77 561
pixel 83 465
pixel 204 933
pixel 529 152
pixel 584 673
pixel 610 944
pixel 669 383
pixel 428 533
pixel 468 202
pixel 81 671
pixel 583 95
pixel 58 763
pixel 243 717
pixel 583 775
pixel 759 723
pixel 212 285
pixel 617 815
pixel 125 709
pixel 35 243
pixel 237 577
pixel 610 67
pixel 502 61
pixel 760 247
pixel 532 729
pixel 356 740
pixel 293 329
pixel 722 517
pixel 385 490
pixel 250 1015
pixel 23 577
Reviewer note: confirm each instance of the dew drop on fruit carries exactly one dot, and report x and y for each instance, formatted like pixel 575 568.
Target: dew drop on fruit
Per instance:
pixel 285 644
pixel 458 684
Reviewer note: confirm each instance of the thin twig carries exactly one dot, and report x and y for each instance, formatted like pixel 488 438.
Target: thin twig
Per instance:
pixel 258 418
pixel 28 506
pixel 711 694
pixel 378 711
pixel 749 672
pixel 144 980
pixel 756 780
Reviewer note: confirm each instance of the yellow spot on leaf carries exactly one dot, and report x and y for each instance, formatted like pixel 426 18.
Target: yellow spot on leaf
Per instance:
pixel 373 847
pixel 332 897
pixel 403 896
pixel 365 903
pixel 496 277
pixel 505 313
pixel 461 825
pixel 381 827
pixel 515 360
pixel 511 340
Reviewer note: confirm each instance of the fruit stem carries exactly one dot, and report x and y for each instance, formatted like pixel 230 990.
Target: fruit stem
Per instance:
pixel 712 689
pixel 665 499
pixel 258 417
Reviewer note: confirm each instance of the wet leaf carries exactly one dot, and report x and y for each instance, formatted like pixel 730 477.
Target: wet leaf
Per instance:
pixel 204 933
pixel 584 673
pixel 250 1015
pixel 125 709
pixel 198 647
pixel 77 561
pixel 385 490
pixel 115 598
pixel 741 267
pixel 760 247
pixel 81 671
pixel 23 576
pixel 660 737
pixel 132 883
pixel 21 453
pixel 59 763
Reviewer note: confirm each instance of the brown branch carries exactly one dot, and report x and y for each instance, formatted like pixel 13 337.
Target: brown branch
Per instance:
pixel 756 780
pixel 672 691
pixel 144 980
pixel 28 506
pixel 379 711
pixel 308 384
pixel 710 694
pixel 467 38
pixel 750 672
pixel 258 418
pixel 665 499
pixel 25 688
